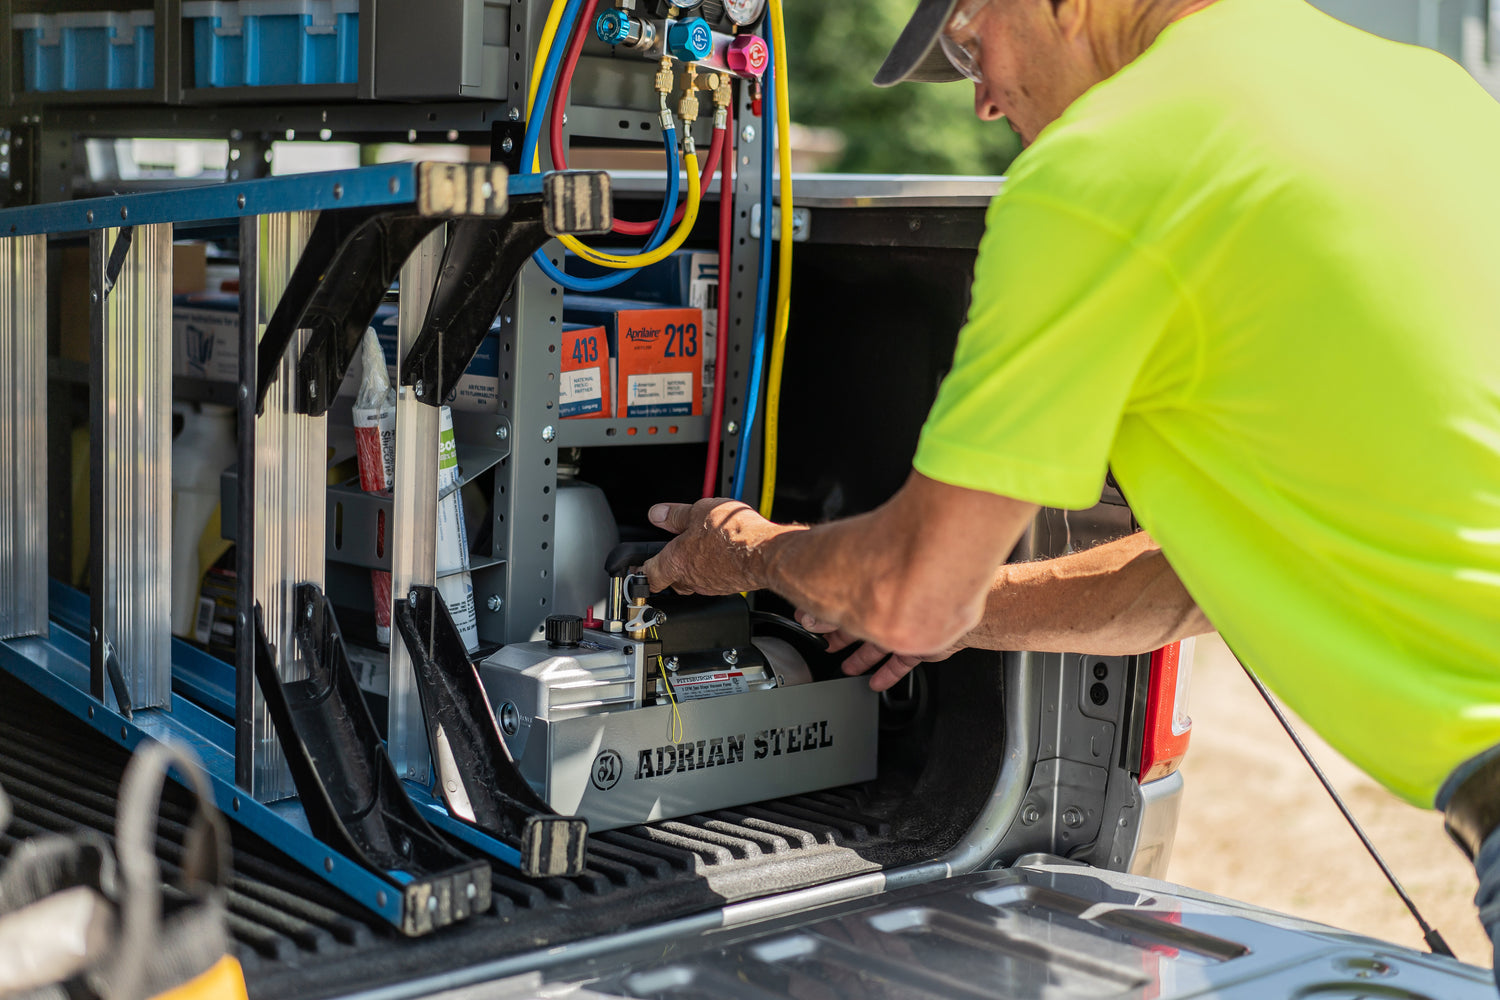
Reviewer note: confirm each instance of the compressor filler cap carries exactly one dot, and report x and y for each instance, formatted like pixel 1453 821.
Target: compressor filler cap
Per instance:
pixel 564 630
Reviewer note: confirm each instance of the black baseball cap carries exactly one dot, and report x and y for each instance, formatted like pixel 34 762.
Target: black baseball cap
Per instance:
pixel 917 56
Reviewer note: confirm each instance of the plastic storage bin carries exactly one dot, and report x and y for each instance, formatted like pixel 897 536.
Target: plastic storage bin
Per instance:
pixel 267 43
pixel 87 50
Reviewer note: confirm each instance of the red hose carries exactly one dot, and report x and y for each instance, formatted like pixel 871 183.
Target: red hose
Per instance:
pixel 555 129
pixel 721 357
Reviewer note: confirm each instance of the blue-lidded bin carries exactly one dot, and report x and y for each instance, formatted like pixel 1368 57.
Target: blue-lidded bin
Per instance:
pixel 265 43
pixel 87 50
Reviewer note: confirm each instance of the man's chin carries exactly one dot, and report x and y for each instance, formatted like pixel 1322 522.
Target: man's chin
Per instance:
pixel 1025 140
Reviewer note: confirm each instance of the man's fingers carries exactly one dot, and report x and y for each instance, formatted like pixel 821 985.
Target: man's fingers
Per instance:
pixel 812 624
pixel 863 659
pixel 890 674
pixel 839 639
pixel 658 570
pixel 674 517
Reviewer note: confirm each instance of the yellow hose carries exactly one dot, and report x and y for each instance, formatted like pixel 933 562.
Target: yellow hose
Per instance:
pixel 694 196
pixel 784 259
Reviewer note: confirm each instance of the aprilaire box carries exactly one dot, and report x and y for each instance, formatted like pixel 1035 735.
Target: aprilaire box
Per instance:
pixel 658 354
pixel 587 373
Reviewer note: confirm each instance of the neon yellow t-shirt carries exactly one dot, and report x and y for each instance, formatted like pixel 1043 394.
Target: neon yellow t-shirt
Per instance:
pixel 1258 273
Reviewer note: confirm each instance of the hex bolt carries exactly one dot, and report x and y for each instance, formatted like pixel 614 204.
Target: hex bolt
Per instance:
pixel 671 664
pixel 495 603
pixel 548 433
pixel 731 656
pixel 1072 817
pixel 1030 814
pixel 748 133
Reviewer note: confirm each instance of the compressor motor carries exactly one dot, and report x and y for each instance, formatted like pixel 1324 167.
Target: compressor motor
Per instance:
pixel 674 706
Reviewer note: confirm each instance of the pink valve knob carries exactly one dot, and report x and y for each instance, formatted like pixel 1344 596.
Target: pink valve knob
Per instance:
pixel 747 55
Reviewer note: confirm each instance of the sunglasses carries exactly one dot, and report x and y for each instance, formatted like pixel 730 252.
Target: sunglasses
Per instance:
pixel 964 55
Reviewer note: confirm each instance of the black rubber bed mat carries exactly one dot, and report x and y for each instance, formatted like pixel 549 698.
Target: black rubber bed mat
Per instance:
pixel 297 937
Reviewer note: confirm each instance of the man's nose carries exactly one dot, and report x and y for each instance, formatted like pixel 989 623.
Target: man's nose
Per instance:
pixel 984 107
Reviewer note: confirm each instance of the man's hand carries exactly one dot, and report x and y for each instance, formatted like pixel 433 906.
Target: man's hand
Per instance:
pixel 895 666
pixel 716 550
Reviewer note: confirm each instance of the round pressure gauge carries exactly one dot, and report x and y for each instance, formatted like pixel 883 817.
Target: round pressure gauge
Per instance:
pixel 744 12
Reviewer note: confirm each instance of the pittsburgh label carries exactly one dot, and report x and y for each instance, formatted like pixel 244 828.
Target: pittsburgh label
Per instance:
pixel 721 751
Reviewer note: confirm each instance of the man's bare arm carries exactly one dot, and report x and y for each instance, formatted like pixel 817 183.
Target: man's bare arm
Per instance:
pixel 1119 598
pixel 1114 599
pixel 910 575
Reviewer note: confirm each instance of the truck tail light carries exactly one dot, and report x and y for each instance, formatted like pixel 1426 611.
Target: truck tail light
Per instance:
pixel 1168 726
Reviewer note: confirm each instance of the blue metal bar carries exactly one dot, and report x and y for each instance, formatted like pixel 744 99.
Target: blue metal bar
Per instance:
pixel 57 668
pixel 205 679
pixel 437 814
pixel 388 184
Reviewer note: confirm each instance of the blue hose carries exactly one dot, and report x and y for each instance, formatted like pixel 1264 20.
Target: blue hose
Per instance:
pixel 574 283
pixel 763 283
pixel 533 135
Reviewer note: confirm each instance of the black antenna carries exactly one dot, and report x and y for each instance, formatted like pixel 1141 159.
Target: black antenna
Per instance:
pixel 1429 933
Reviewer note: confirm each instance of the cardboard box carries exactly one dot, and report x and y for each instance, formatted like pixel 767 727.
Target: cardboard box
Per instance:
pixel 189 274
pixel 658 354
pixel 686 278
pixel 206 336
pixel 587 373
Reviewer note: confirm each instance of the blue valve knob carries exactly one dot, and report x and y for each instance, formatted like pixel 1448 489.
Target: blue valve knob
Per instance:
pixel 690 40
pixel 613 27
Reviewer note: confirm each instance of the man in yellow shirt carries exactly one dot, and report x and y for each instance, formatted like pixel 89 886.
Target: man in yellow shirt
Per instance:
pixel 1248 260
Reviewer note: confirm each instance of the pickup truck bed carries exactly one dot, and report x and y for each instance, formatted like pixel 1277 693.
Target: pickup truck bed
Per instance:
pixel 296 937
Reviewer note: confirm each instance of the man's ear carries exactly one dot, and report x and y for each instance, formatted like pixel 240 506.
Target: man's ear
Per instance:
pixel 1072 17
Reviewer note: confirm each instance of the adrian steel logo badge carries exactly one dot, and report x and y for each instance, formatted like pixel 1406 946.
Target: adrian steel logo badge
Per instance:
pixel 607 770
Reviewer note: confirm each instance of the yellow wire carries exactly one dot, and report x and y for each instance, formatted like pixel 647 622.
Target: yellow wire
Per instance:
pixel 615 261
pixel 674 728
pixel 784 258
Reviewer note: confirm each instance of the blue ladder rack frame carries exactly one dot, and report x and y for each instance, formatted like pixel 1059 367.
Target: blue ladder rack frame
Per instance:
pixel 57 666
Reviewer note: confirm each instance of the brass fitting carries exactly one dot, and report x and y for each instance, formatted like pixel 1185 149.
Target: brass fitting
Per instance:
pixel 664 76
pixel 723 92
pixel 687 107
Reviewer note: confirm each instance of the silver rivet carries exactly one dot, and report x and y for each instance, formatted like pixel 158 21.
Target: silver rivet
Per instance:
pixel 328 864
pixel 515 114
pixel 731 428
pixel 312 389
pixel 338 191
pixel 380 899
pixel 731 656
pixel 548 433
pixel 452 785
pixel 431 904
pixel 495 603
pixel 420 388
pixel 470 890
pixel 124 213
pixel 411 597
pixel 394 185
pixel 240 201
pixel 507 144
pixel 89 215
pixel 748 133
pixel 244 392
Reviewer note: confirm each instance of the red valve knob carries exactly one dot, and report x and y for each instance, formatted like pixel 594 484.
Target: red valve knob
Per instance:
pixel 747 55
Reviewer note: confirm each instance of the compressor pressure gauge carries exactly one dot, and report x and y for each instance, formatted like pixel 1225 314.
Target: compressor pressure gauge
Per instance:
pixel 744 12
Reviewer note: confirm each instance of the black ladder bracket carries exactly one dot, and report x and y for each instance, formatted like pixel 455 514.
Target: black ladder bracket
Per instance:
pixel 348 787
pixel 476 774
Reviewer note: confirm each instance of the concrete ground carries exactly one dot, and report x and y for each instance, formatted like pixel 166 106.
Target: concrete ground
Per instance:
pixel 1256 825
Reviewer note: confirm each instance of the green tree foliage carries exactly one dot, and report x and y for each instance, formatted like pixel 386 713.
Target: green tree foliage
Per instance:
pixel 834 49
